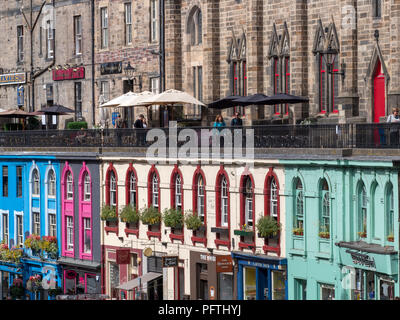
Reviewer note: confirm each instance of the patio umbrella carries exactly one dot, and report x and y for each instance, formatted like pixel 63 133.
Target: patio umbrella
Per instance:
pixel 171 97
pixel 255 99
pixel 16 113
pixel 224 103
pixel 117 101
pixel 137 99
pixel 284 98
pixel 57 109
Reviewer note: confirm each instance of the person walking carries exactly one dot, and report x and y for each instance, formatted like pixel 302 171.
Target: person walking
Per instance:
pixel 237 121
pixel 394 129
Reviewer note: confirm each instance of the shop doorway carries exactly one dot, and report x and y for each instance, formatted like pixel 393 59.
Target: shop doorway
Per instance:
pixel 202 281
pixel 386 289
pixel 155 289
pixel 300 289
pixel 249 284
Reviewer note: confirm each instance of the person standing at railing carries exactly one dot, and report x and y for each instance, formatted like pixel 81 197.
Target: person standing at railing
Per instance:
pixel 219 124
pixel 140 124
pixel 237 121
pixel 394 130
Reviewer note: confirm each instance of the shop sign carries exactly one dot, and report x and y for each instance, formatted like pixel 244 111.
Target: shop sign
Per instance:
pixel 168 262
pixel 12 78
pixel 362 259
pixel 111 68
pixel 70 274
pixel 123 256
pixel 263 265
pixel 224 264
pixel 69 74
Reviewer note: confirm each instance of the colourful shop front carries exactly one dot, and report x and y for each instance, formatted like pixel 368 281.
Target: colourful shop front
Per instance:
pixel 370 271
pixel 260 277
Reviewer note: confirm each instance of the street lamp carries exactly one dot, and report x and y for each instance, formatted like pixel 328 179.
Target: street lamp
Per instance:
pixel 329 57
pixel 129 71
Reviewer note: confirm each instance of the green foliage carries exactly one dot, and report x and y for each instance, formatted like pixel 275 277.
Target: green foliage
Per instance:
pixel 108 213
pixel 192 220
pixel 77 125
pixel 173 218
pixel 267 226
pixel 150 216
pixel 129 214
pixel 298 231
pixel 17 291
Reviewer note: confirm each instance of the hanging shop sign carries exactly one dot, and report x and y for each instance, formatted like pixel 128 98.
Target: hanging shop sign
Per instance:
pixel 69 74
pixel 224 264
pixel 111 68
pixel 168 262
pixel 123 256
pixel 12 78
pixel 70 274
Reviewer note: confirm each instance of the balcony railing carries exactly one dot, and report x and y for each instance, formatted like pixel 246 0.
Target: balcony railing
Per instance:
pixel 385 135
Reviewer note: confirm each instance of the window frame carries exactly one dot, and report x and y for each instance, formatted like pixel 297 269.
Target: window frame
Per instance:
pixel 52 184
pixel 20 43
pixel 6 228
pixel 19 179
pixel 104 27
pixel 362 210
pixel 52 224
pixel 154 21
pixel 69 189
pixel 50 42
pixel 325 207
pixel 35 183
pixel 128 23
pixel 36 223
pixel 298 217
pixel 5 181
pixel 78 39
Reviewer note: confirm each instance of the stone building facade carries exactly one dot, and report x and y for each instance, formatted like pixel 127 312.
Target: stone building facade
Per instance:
pixel 61 42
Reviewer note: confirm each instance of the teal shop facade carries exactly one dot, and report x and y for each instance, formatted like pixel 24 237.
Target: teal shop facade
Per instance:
pixel 342 229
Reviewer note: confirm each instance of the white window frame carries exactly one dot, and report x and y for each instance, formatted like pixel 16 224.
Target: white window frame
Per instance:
pixel 224 202
pixel 70 186
pixel 274 198
pixel 249 205
pixel 35 183
pixel 78 34
pixel 50 40
pixel 128 23
pixel 178 192
pixel 132 190
pixel 52 224
pixel 200 197
pixel 113 190
pixel 104 27
pixel 19 228
pixel 87 227
pixel 87 193
pixel 155 191
pixel 70 232
pixel 20 42
pixel 6 228
pixel 154 21
pixel 105 90
pixel 51 192
pixel 36 222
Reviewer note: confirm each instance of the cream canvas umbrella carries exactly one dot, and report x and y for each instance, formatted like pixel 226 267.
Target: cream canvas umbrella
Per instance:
pixel 171 97
pixel 117 101
pixel 137 100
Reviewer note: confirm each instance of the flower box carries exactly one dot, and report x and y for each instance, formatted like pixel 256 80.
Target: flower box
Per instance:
pixel 298 232
pixel 390 238
pixel 243 233
pixel 324 235
pixel 271 236
pixel 362 235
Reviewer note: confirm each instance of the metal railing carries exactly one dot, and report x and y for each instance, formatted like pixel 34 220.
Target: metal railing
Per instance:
pixel 384 135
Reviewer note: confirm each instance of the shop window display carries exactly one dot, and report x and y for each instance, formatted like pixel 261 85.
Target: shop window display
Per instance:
pixel 249 284
pixel 225 286
pixel 278 285
pixel 327 292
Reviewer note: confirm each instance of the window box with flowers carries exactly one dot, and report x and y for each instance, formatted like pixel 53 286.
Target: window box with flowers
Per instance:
pixel 17 289
pixel 173 218
pixel 268 227
pixel 193 222
pixel 49 247
pixel 150 216
pixel 244 231
pixel 131 217
pixel 362 234
pixel 34 283
pixel 108 214
pixel 298 232
pixel 390 238
pixel 33 243
pixel 10 255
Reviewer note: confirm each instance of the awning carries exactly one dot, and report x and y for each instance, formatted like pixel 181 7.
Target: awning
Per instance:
pixel 130 285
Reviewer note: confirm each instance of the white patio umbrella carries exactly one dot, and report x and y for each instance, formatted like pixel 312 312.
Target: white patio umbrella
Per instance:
pixel 171 97
pixel 117 101
pixel 137 100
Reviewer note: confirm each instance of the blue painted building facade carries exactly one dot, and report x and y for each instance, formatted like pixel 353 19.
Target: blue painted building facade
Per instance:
pixel 29 204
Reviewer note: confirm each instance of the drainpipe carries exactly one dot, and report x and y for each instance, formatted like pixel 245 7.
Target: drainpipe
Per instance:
pixel 93 71
pixel 162 45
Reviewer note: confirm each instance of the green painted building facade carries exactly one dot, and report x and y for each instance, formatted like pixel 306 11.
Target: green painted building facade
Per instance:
pixel 342 229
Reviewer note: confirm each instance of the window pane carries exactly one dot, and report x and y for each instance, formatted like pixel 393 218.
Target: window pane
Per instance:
pixel 5 181
pixel 19 182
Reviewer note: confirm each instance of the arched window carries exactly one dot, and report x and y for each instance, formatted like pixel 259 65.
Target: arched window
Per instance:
pixel 195 26
pixel 69 189
pixel 132 190
pixel 389 213
pixel 52 184
pixel 224 202
pixel 248 202
pixel 362 211
pixel 325 211
pixel 86 187
pixel 298 218
pixel 200 198
pixel 36 183
pixel 273 198
pixel 113 190
pixel 155 191
pixel 178 192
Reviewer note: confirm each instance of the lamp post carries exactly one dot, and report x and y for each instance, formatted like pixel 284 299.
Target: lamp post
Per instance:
pixel 129 71
pixel 329 57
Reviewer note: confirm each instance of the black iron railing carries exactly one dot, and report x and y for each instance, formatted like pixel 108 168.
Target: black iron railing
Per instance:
pixel 374 136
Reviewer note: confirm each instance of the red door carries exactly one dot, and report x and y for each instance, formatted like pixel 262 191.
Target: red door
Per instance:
pixel 379 93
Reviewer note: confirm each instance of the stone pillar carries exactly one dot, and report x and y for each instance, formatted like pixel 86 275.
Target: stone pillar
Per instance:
pixel 211 58
pixel 298 30
pixel 348 94
pixel 173 45
pixel 254 62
